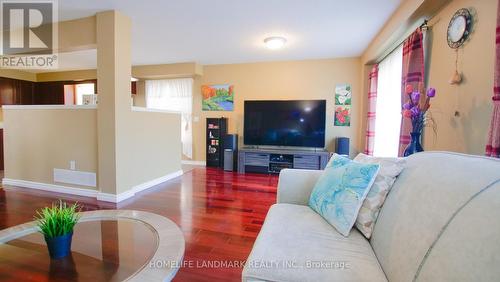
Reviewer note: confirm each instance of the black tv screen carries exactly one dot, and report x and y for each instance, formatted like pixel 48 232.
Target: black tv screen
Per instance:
pixel 298 123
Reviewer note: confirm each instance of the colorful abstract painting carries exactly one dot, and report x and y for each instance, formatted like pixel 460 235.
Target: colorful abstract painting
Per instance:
pixel 343 94
pixel 219 97
pixel 342 116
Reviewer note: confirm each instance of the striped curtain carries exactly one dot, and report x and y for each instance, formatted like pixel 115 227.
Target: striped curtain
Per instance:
pixel 493 143
pixel 413 74
pixel 372 105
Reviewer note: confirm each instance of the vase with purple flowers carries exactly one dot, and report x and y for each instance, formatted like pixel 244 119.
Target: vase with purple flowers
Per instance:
pixel 416 111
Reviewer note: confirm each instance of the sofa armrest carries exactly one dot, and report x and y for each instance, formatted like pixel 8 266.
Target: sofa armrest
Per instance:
pixel 295 185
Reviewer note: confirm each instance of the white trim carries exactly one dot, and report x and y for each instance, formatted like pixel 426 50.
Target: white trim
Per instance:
pixel 143 109
pixel 100 196
pixel 112 198
pixel 51 187
pixel 107 197
pixel 190 162
pixel 49 107
pixel 154 182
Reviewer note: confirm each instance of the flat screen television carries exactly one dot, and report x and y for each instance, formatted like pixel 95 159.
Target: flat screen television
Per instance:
pixel 296 123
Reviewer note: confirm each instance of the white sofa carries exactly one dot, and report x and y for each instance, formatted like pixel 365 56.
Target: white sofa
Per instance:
pixel 440 222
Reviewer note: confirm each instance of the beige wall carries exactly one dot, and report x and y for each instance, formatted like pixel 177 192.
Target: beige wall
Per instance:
pixel 294 80
pixel 37 141
pixel 471 99
pixel 126 148
pixel 143 72
pixel 134 147
pixel 110 75
pixel 407 17
pixel 17 74
pixel 151 147
pixel 78 34
pixel 167 71
pixel 66 75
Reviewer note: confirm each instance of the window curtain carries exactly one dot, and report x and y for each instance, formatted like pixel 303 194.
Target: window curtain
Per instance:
pixel 372 105
pixel 413 74
pixel 493 143
pixel 174 95
pixel 388 107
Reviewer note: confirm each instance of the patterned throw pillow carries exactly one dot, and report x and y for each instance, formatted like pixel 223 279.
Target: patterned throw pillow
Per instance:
pixel 390 168
pixel 341 190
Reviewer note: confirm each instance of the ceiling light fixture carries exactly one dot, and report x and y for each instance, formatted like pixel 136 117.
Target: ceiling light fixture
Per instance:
pixel 275 42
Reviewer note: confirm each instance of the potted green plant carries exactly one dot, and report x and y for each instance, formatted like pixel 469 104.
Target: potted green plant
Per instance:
pixel 56 224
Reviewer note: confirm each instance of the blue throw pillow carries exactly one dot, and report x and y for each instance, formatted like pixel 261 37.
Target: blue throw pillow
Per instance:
pixel 341 190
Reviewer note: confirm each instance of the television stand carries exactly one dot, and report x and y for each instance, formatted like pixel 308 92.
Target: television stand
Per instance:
pixel 274 160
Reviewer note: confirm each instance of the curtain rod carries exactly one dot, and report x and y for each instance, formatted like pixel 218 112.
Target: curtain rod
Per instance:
pixel 424 27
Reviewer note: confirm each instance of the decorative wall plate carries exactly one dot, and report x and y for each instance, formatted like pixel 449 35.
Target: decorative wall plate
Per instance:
pixel 459 28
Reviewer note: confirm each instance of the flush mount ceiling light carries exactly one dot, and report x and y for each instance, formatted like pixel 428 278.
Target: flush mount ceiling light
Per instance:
pixel 275 42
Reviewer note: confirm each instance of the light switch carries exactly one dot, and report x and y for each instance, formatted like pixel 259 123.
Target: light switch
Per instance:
pixel 72 165
pixel 196 119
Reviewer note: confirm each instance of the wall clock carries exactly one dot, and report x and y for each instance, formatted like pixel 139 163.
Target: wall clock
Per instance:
pixel 459 28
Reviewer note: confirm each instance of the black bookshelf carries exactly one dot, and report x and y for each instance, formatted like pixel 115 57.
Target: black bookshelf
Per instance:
pixel 216 130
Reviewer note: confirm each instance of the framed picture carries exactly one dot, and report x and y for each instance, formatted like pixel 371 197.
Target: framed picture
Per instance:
pixel 343 94
pixel 217 97
pixel 342 116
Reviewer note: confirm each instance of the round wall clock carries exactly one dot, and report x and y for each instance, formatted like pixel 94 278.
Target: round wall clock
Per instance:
pixel 459 28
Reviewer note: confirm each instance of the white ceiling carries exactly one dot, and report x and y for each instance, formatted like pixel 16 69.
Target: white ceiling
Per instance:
pixel 232 31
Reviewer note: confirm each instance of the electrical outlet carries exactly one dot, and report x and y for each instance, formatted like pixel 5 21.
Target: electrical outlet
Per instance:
pixel 72 165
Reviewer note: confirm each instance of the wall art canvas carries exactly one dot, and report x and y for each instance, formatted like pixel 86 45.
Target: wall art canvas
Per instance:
pixel 343 94
pixel 342 116
pixel 217 97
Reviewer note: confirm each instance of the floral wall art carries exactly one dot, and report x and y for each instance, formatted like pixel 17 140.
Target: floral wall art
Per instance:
pixel 343 99
pixel 342 116
pixel 343 94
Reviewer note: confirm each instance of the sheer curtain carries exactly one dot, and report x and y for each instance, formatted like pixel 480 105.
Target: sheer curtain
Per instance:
pixel 388 107
pixel 174 95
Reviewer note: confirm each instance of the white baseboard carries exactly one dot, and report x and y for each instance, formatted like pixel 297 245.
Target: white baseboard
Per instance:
pixel 50 187
pixel 151 183
pixel 112 198
pixel 189 162
pixel 106 197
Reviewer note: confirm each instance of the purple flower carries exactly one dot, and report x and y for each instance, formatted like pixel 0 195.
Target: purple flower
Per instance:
pixel 415 97
pixel 431 92
pixel 407 106
pixel 415 111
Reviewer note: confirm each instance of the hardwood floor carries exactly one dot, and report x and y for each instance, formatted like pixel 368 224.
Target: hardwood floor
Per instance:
pixel 220 214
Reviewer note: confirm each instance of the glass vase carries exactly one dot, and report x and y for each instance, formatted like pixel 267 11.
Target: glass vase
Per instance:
pixel 415 144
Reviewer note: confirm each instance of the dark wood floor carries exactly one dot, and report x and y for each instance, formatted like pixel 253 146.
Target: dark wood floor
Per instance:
pixel 220 214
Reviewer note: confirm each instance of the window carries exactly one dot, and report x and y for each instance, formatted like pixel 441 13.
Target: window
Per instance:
pixel 174 95
pixel 83 89
pixel 74 94
pixel 388 107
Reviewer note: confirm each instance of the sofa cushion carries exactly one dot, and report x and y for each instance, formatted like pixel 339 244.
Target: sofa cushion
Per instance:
pixel 341 190
pixel 390 168
pixel 296 244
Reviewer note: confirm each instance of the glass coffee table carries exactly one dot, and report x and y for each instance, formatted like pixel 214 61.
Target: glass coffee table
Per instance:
pixel 108 245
